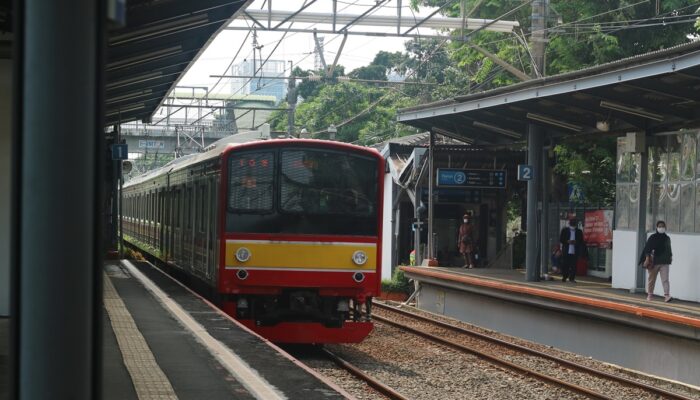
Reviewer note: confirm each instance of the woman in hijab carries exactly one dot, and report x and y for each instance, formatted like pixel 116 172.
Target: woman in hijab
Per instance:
pixel 656 258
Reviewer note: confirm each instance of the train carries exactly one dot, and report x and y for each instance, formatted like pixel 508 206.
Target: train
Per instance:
pixel 284 235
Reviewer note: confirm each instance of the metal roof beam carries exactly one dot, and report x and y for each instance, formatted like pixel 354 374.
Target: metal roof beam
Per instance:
pixel 329 74
pixel 191 38
pixel 166 67
pixel 381 20
pixel 149 12
pixel 669 110
pixel 665 89
pixel 424 20
pixel 503 121
pixel 601 114
pixel 292 15
pixel 554 113
pixel 353 33
pixel 255 21
pixel 359 17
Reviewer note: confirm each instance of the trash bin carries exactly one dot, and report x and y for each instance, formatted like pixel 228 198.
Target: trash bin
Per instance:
pixel 582 266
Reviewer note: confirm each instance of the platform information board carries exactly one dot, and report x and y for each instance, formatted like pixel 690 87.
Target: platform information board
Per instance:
pixel 471 178
pixel 453 195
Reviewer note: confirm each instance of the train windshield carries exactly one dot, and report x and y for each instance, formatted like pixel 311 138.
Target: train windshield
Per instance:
pixel 302 191
pixel 328 183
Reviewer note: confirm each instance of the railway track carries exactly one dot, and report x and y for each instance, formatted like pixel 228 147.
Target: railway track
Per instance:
pixel 489 356
pixel 363 376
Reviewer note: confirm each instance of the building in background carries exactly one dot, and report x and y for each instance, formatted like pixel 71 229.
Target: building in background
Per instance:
pixel 266 81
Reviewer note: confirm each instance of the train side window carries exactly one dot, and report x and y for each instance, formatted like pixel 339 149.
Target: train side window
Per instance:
pixel 176 208
pixel 188 209
pixel 202 207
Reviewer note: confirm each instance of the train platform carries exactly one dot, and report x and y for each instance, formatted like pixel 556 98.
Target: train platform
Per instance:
pixel 588 317
pixel 163 341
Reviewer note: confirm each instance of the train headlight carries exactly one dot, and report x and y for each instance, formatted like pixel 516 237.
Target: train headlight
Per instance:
pixel 243 254
pixel 359 257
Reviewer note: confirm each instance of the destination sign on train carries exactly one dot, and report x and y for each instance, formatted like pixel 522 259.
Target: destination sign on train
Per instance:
pixel 475 178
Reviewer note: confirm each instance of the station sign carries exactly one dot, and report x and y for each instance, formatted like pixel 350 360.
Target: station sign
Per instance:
pixel 453 195
pixel 151 144
pixel 120 152
pixel 525 172
pixel 471 178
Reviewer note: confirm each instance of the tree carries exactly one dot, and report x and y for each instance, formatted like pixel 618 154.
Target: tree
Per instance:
pixel 590 165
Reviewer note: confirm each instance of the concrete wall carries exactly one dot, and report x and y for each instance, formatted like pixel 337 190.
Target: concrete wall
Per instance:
pixel 631 347
pixel 387 233
pixel 5 152
pixel 624 263
pixel 684 273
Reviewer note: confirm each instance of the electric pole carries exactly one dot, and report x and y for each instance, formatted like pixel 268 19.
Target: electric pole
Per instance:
pixel 538 38
pixel 292 101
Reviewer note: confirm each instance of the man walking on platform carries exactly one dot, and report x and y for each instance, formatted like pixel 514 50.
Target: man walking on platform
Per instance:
pixel 571 239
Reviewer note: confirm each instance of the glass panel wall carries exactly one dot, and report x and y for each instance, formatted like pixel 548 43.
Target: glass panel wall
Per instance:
pixel 673 191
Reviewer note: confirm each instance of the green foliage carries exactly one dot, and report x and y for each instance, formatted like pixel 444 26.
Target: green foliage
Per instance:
pixel 144 246
pixel 308 89
pixel 398 283
pixel 373 72
pixel 589 164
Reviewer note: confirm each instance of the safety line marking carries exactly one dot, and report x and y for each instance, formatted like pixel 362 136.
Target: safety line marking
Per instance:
pixel 149 380
pixel 238 368
pixel 596 294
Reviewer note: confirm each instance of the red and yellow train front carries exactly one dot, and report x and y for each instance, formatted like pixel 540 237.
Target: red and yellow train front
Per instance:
pixel 301 252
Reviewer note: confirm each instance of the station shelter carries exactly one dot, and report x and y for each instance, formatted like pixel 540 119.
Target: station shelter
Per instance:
pixel 469 180
pixel 649 102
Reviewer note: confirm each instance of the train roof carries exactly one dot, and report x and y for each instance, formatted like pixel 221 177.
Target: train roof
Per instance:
pixel 217 148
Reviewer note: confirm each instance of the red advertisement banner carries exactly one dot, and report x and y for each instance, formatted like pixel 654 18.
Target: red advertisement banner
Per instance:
pixel 597 230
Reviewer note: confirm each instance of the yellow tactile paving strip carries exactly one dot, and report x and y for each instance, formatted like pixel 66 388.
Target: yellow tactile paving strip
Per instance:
pixel 149 380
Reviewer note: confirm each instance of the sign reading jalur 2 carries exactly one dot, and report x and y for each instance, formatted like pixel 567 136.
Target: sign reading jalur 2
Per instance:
pixel 597 231
pixel 473 178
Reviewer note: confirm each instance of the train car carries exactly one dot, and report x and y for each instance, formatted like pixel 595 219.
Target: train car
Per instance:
pixel 284 234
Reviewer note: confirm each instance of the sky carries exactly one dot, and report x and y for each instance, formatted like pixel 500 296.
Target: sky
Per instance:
pixel 298 47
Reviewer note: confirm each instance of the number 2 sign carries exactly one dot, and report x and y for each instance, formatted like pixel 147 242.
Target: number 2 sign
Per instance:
pixel 525 172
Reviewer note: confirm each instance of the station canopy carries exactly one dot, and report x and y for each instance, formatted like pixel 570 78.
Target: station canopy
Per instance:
pixel 653 92
pixel 147 57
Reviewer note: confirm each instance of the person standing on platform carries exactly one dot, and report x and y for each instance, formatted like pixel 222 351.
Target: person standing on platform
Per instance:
pixel 571 239
pixel 656 258
pixel 465 242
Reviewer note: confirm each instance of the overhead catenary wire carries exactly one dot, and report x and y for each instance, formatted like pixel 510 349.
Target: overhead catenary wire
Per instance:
pixel 259 69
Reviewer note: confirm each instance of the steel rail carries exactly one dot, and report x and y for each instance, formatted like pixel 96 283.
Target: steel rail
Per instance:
pixel 373 382
pixel 495 360
pixel 533 352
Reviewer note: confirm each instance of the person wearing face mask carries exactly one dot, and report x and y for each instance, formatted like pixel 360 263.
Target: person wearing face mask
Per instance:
pixel 656 258
pixel 572 246
pixel 464 241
